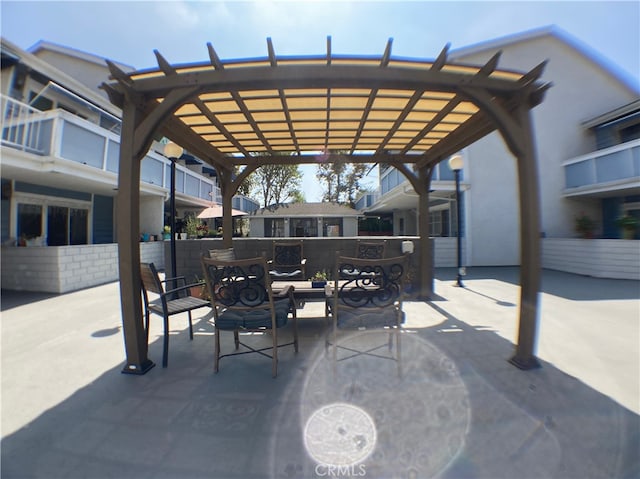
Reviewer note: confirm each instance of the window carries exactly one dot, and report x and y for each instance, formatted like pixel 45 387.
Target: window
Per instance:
pixel 630 133
pixel 274 228
pixel 332 227
pixel 41 103
pixel 306 227
pixel 67 226
pixel 29 221
pixel 440 224
pixel 58 221
pixel 78 226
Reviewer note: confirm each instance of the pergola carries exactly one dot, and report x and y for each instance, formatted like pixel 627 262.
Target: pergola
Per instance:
pixel 237 115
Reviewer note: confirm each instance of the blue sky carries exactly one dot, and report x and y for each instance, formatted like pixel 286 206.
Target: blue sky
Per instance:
pixel 128 32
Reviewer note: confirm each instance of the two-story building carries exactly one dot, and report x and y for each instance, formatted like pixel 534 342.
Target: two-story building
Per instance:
pixel 588 146
pixel 60 162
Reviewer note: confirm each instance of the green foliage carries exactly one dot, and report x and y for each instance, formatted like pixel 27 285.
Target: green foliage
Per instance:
pixel 341 180
pixel 191 226
pixel 585 225
pixel 627 222
pixel 249 184
pixel 320 276
pixel 276 184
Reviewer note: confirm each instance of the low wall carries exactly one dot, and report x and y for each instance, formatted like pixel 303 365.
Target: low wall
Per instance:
pixel 61 269
pixel 320 252
pixel 601 258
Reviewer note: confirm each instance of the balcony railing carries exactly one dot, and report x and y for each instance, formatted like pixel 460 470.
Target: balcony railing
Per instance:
pixel 612 168
pixel 60 134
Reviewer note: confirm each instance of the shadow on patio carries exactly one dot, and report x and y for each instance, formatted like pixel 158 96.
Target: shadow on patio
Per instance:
pixel 459 410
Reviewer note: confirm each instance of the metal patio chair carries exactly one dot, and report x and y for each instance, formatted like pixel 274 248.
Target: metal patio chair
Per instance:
pixel 367 295
pixel 371 249
pixel 170 301
pixel 288 261
pixel 243 301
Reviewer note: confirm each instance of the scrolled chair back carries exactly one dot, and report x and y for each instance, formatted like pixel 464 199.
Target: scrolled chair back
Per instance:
pixel 368 283
pixel 238 283
pixel 287 253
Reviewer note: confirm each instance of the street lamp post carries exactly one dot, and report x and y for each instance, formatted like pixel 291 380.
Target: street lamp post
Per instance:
pixel 455 163
pixel 173 152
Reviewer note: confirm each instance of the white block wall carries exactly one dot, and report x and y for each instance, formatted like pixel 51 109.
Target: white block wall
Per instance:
pixel 61 269
pixel 601 258
pixel 446 253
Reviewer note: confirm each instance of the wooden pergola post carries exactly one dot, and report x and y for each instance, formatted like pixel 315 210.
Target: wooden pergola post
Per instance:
pixel 128 211
pixel 426 255
pixel 530 267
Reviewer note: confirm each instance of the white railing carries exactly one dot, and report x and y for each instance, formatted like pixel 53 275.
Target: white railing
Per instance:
pixel 76 139
pixel 612 165
pixel 23 127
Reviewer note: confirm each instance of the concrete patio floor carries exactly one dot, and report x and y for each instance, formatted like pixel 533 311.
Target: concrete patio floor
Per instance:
pixel 459 410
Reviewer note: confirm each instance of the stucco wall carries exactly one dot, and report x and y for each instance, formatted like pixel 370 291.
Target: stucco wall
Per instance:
pixel 152 215
pixel 581 89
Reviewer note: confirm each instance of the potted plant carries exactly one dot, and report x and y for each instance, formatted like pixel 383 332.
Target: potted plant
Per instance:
pixel 629 225
pixel 585 226
pixel 198 289
pixel 319 279
pixel 191 226
pixel 166 232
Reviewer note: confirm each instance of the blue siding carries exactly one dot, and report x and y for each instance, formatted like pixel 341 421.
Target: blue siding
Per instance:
pixel 5 208
pixel 48 191
pixel 102 219
pixel 610 211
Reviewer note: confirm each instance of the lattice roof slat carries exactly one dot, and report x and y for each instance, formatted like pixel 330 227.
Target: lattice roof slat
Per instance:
pixel 359 104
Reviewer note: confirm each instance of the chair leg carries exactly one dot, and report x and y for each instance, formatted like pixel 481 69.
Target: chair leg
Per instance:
pixel 190 326
pixel 146 325
pixel 216 360
pixel 335 350
pixel 295 332
pixel 165 343
pixel 274 355
pixel 398 351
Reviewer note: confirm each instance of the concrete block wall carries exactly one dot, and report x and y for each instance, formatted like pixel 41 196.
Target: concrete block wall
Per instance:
pixel 87 265
pixel 31 269
pixel 61 269
pixel 320 252
pixel 446 252
pixel 601 258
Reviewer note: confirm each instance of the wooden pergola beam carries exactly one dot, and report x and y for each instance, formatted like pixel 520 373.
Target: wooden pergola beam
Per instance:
pixel 320 76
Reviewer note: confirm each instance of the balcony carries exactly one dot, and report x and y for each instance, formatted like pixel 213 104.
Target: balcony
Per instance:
pixel 54 138
pixel 612 169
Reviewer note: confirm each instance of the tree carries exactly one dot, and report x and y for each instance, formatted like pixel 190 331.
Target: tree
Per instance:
pixel 341 180
pixel 247 186
pixel 277 183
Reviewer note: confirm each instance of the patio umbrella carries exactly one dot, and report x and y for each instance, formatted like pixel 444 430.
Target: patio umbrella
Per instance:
pixel 216 212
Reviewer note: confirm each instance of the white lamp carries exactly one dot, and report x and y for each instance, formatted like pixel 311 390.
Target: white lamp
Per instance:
pixel 456 162
pixel 173 150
